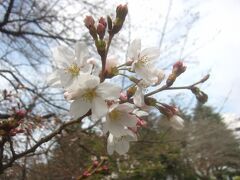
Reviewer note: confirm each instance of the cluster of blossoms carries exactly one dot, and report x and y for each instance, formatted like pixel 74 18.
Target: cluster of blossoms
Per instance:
pixel 88 86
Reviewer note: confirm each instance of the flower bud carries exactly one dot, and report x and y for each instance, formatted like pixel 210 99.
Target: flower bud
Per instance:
pixel 167 110
pixel 20 114
pixel 200 95
pixel 86 174
pixel 123 96
pixel 131 91
pixel 178 68
pixel 109 22
pixel 20 131
pixel 103 22
pixel 95 163
pixel 150 101
pixel 164 111
pixel 170 80
pixel 141 122
pixel 105 168
pixel 92 61
pixel 122 11
pixel 101 45
pixel 101 30
pixel 89 22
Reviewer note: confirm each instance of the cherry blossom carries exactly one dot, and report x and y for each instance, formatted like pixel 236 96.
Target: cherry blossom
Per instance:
pixel 88 94
pixel 143 61
pixel 120 144
pixel 119 118
pixel 69 65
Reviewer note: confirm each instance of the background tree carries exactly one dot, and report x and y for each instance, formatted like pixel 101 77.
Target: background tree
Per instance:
pixel 204 149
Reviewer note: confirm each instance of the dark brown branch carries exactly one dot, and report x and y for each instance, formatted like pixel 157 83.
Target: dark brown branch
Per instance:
pixel 41 141
pixel 20 33
pixel 7 14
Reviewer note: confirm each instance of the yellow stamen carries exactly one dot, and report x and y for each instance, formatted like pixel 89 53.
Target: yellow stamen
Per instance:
pixel 89 95
pixel 142 61
pixel 73 69
pixel 114 115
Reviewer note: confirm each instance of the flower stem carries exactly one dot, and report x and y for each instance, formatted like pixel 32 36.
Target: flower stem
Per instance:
pixel 104 57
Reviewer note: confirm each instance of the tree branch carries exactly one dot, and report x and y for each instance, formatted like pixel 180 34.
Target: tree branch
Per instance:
pixel 41 141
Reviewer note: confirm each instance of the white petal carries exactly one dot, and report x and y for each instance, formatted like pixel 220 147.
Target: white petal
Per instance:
pixel 140 113
pixel 134 49
pixel 116 129
pixel 105 128
pixel 86 68
pixel 91 81
pixel 122 146
pixel 66 79
pixel 177 122
pixel 128 120
pixel 63 56
pixel 160 76
pixel 108 91
pixel 138 98
pixel 131 136
pixel 73 94
pixel 151 53
pixel 146 73
pixel 53 79
pixel 81 53
pixel 79 107
pixel 110 144
pixel 126 107
pixel 99 107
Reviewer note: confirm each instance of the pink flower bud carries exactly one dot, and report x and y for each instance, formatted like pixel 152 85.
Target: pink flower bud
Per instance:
pixel 86 174
pixel 105 168
pixel 103 22
pixel 89 22
pixel 20 131
pixel 122 11
pixel 20 114
pixel 141 122
pixel 101 30
pixel 92 61
pixel 123 96
pixel 178 68
pixel 173 109
pixel 95 163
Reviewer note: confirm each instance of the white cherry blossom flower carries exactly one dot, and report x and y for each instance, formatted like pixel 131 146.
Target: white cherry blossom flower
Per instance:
pixel 176 122
pixel 69 65
pixel 88 94
pixel 118 119
pixel 143 61
pixel 120 144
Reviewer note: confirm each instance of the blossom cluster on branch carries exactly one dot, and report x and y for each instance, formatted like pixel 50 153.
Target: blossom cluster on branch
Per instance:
pixel 88 84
